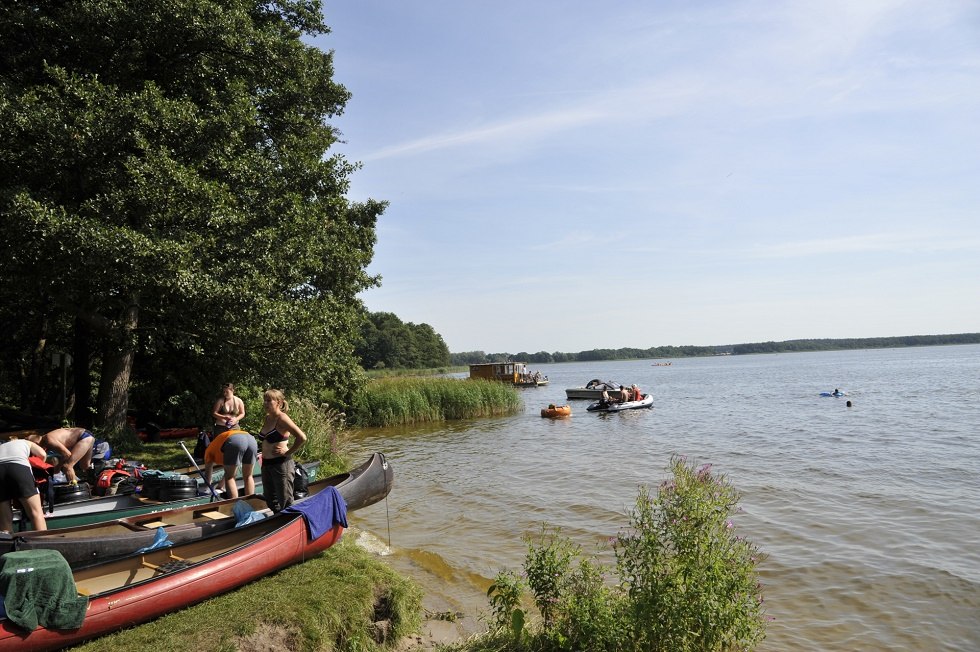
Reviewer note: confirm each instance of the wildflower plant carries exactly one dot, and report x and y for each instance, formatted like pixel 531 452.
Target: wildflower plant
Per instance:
pixel 683 580
pixel 505 599
pixel 691 582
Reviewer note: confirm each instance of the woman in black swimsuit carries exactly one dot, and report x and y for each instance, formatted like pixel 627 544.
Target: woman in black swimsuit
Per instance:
pixel 277 455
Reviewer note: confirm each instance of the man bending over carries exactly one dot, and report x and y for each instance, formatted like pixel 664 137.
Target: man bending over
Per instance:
pixel 73 446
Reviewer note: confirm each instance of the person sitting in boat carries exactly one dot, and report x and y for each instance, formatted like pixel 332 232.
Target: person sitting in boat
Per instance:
pixel 636 393
pixel 624 394
pixel 604 399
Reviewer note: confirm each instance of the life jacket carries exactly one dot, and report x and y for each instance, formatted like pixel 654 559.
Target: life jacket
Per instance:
pixel 42 478
pixel 108 478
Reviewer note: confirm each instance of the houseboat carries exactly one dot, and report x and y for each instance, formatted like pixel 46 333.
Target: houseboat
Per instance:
pixel 515 373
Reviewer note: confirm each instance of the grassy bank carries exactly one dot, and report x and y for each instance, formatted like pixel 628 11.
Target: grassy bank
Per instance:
pixel 408 400
pixel 343 599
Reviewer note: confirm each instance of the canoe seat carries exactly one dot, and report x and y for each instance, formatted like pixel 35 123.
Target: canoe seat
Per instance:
pixel 152 525
pixel 170 566
pixel 214 515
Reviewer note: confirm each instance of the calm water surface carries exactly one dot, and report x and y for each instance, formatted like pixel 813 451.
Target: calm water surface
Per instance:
pixel 870 515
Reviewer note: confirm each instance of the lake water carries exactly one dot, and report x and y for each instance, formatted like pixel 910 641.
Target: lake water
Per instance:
pixel 869 515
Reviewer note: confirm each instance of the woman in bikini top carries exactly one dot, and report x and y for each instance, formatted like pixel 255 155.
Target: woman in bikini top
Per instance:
pixel 228 410
pixel 277 428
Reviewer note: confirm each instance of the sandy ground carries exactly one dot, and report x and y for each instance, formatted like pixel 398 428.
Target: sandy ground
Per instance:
pixel 433 634
pixel 436 628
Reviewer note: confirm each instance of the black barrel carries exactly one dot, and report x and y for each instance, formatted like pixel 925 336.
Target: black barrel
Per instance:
pixel 151 486
pixel 70 493
pixel 177 488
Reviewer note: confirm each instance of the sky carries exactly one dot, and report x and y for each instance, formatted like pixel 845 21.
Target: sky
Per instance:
pixel 568 175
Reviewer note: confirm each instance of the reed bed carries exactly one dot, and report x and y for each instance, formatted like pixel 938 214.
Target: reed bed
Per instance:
pixel 410 400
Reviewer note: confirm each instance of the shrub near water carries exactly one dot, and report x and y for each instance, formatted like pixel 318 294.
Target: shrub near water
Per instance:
pixel 408 400
pixel 686 582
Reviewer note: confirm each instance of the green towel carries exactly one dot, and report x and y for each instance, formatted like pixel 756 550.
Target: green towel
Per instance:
pixel 38 588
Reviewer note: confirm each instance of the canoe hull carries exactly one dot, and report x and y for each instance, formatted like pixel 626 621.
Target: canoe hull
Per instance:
pixel 150 598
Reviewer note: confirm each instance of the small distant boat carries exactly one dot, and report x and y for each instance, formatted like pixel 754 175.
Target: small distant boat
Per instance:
pixel 836 393
pixel 614 406
pixel 594 389
pixel 661 364
pixel 556 411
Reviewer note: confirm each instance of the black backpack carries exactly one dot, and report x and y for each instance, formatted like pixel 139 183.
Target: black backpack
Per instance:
pixel 301 482
pixel 203 441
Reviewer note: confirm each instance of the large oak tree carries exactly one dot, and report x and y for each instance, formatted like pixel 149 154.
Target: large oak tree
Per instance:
pixel 167 194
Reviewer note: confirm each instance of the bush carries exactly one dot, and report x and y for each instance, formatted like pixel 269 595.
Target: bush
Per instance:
pixel 326 434
pixel 685 580
pixel 691 583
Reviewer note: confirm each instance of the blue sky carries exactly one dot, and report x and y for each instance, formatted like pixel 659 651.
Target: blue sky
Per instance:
pixel 572 175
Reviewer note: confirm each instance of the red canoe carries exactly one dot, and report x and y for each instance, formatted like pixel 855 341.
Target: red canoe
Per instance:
pixel 139 588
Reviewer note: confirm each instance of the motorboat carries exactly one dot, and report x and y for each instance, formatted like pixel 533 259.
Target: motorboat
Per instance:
pixel 645 401
pixel 593 390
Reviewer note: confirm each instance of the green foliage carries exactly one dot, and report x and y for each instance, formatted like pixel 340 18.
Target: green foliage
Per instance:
pixel 388 343
pixel 436 371
pixel 547 566
pixel 504 596
pixel 686 582
pixel 326 434
pixel 691 582
pixel 171 214
pixel 407 400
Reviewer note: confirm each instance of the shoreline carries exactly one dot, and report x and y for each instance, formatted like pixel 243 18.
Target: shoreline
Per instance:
pixel 444 619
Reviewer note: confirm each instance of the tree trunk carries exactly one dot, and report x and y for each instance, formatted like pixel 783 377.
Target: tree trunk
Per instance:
pixel 30 397
pixel 81 374
pixel 117 365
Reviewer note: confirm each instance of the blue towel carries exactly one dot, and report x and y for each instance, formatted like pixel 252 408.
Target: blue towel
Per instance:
pixel 159 541
pixel 322 511
pixel 244 514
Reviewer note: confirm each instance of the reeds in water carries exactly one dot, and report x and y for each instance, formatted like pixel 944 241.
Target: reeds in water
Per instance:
pixel 401 400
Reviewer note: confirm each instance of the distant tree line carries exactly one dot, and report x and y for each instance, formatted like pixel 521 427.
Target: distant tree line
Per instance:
pixel 855 343
pixel 592 355
pixel 387 342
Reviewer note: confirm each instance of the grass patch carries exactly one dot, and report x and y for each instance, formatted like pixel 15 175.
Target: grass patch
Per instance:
pixel 410 400
pixel 334 601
